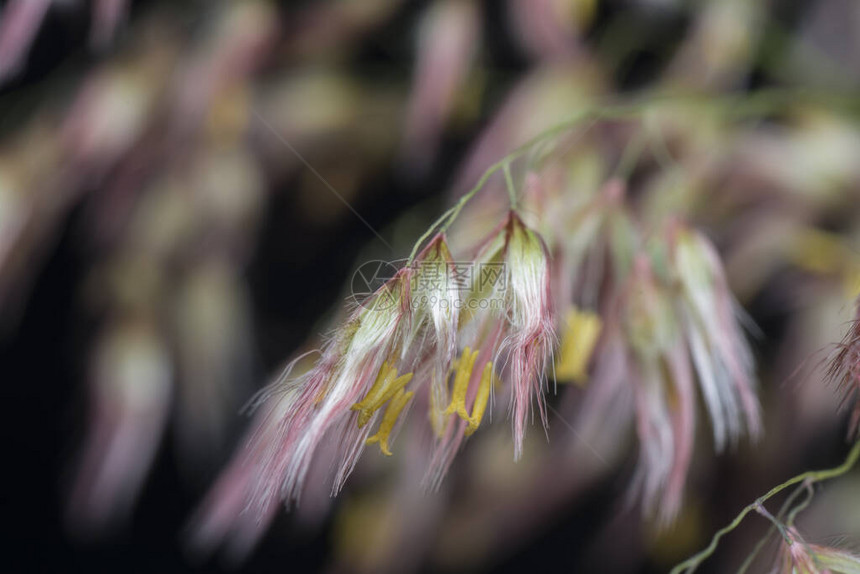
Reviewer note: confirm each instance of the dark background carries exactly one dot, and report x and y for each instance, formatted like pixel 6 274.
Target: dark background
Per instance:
pixel 42 359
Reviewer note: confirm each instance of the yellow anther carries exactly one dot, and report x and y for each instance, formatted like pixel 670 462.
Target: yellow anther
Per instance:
pixel 461 384
pixel 582 330
pixel 480 405
pixel 819 251
pixel 376 388
pixel 826 253
pixel 438 418
pixel 390 390
pixel 851 282
pixel 387 385
pixel 388 421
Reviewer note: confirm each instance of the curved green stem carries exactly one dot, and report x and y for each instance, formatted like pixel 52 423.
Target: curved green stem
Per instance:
pixel 792 516
pixel 776 523
pixel 735 105
pixel 509 183
pixel 789 502
pixel 688 566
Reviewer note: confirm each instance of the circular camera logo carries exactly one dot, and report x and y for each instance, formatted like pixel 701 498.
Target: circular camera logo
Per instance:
pixel 367 279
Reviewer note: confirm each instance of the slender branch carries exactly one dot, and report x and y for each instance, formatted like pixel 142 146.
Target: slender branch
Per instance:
pixel 509 183
pixel 688 566
pixel 764 540
pixel 734 106
pixel 810 492
pixel 776 523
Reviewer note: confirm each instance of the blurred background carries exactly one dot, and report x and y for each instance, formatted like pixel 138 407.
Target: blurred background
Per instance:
pixel 186 188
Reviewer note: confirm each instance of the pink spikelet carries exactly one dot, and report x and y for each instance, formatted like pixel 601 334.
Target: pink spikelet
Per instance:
pixel 683 432
pixel 432 271
pixel 346 370
pixel 844 372
pixel 301 411
pixel 721 355
pixel 415 337
pixel 224 515
pixel 797 556
pixel 684 339
pixel 19 24
pixel 531 331
pixel 131 388
pixel 662 378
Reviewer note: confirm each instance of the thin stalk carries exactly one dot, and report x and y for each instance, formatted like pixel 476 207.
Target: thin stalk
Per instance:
pixel 789 502
pixel 732 106
pixel 689 565
pixel 509 183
